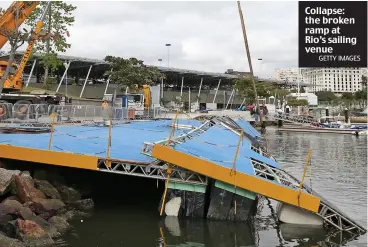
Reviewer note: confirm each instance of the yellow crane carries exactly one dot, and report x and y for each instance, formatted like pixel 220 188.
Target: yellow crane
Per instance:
pixel 14 82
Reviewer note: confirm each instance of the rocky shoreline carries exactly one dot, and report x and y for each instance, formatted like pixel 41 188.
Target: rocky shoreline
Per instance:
pixel 37 209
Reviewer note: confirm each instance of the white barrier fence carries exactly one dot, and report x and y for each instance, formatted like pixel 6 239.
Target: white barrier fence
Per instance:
pixel 42 113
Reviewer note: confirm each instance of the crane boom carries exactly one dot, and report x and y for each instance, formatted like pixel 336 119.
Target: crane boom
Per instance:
pixel 18 74
pixel 8 19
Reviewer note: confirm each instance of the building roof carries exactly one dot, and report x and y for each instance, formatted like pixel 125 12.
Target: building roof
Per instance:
pixel 84 62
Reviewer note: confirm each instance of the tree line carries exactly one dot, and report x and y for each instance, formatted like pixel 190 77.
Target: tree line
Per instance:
pixel 347 98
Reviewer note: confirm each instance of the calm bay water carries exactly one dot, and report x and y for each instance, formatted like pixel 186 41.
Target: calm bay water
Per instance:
pixel 339 173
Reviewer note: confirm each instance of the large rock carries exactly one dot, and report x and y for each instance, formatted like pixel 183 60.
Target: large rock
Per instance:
pixel 50 206
pixel 15 198
pixel 6 179
pixel 59 223
pixel 49 190
pixel 6 225
pixel 68 194
pixel 10 242
pixel 74 214
pixel 55 177
pixel 13 209
pixel 27 214
pixel 32 234
pixel 26 191
pixel 84 205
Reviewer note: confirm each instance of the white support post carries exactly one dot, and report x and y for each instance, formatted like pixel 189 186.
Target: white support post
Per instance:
pixel 224 98
pixel 62 78
pixel 85 81
pixel 30 74
pixel 107 84
pixel 162 88
pixel 242 103
pixel 218 86
pixel 199 92
pixel 231 95
pixel 181 88
pixel 190 104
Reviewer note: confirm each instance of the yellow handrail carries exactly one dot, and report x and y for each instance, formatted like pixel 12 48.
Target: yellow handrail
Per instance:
pixel 234 164
pixel 304 172
pixel 169 168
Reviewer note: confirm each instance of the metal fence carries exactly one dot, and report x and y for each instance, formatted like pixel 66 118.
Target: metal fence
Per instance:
pixel 43 113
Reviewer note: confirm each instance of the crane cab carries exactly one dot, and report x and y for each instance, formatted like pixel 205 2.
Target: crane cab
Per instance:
pixel 9 85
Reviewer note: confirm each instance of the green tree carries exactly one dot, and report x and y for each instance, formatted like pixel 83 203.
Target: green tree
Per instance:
pixel 59 19
pixel 297 102
pixel 364 81
pixel 132 72
pixel 361 96
pixel 347 98
pixel 326 96
pixel 244 86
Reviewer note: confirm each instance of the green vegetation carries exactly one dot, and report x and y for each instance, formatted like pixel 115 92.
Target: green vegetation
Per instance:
pixel 53 38
pixel 297 102
pixel 264 89
pixel 326 96
pixel 364 81
pixel 131 72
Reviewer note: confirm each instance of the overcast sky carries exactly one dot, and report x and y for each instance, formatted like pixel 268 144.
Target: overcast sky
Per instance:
pixel 205 36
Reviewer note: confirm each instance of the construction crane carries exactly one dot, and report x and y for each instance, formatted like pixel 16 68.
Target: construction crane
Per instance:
pixel 7 20
pixel 13 85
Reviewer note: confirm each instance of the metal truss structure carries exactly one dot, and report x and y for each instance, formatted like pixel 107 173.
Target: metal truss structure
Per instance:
pixel 155 170
pixel 332 217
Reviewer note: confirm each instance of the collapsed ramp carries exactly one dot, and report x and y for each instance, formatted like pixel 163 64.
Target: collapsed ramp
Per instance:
pixel 265 178
pixel 296 119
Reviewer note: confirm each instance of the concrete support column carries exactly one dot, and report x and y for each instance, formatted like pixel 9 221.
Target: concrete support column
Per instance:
pixel 107 84
pixel 62 78
pixel 162 88
pixel 231 95
pixel 199 92
pixel 181 88
pixel 218 86
pixel 85 81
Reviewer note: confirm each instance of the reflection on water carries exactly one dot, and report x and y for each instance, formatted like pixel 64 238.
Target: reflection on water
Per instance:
pixel 339 173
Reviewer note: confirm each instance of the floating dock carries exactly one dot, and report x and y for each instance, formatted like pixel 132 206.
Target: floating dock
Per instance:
pixel 198 152
pixel 322 130
pixel 304 124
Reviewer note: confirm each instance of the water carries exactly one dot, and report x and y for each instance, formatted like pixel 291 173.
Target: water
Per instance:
pixel 339 173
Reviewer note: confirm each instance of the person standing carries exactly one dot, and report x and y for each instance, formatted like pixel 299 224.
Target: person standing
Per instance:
pixel 105 110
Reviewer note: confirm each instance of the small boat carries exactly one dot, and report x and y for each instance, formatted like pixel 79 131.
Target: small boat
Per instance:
pixel 331 123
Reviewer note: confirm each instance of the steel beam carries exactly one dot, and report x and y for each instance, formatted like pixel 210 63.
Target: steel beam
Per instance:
pixel 85 81
pixel 30 74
